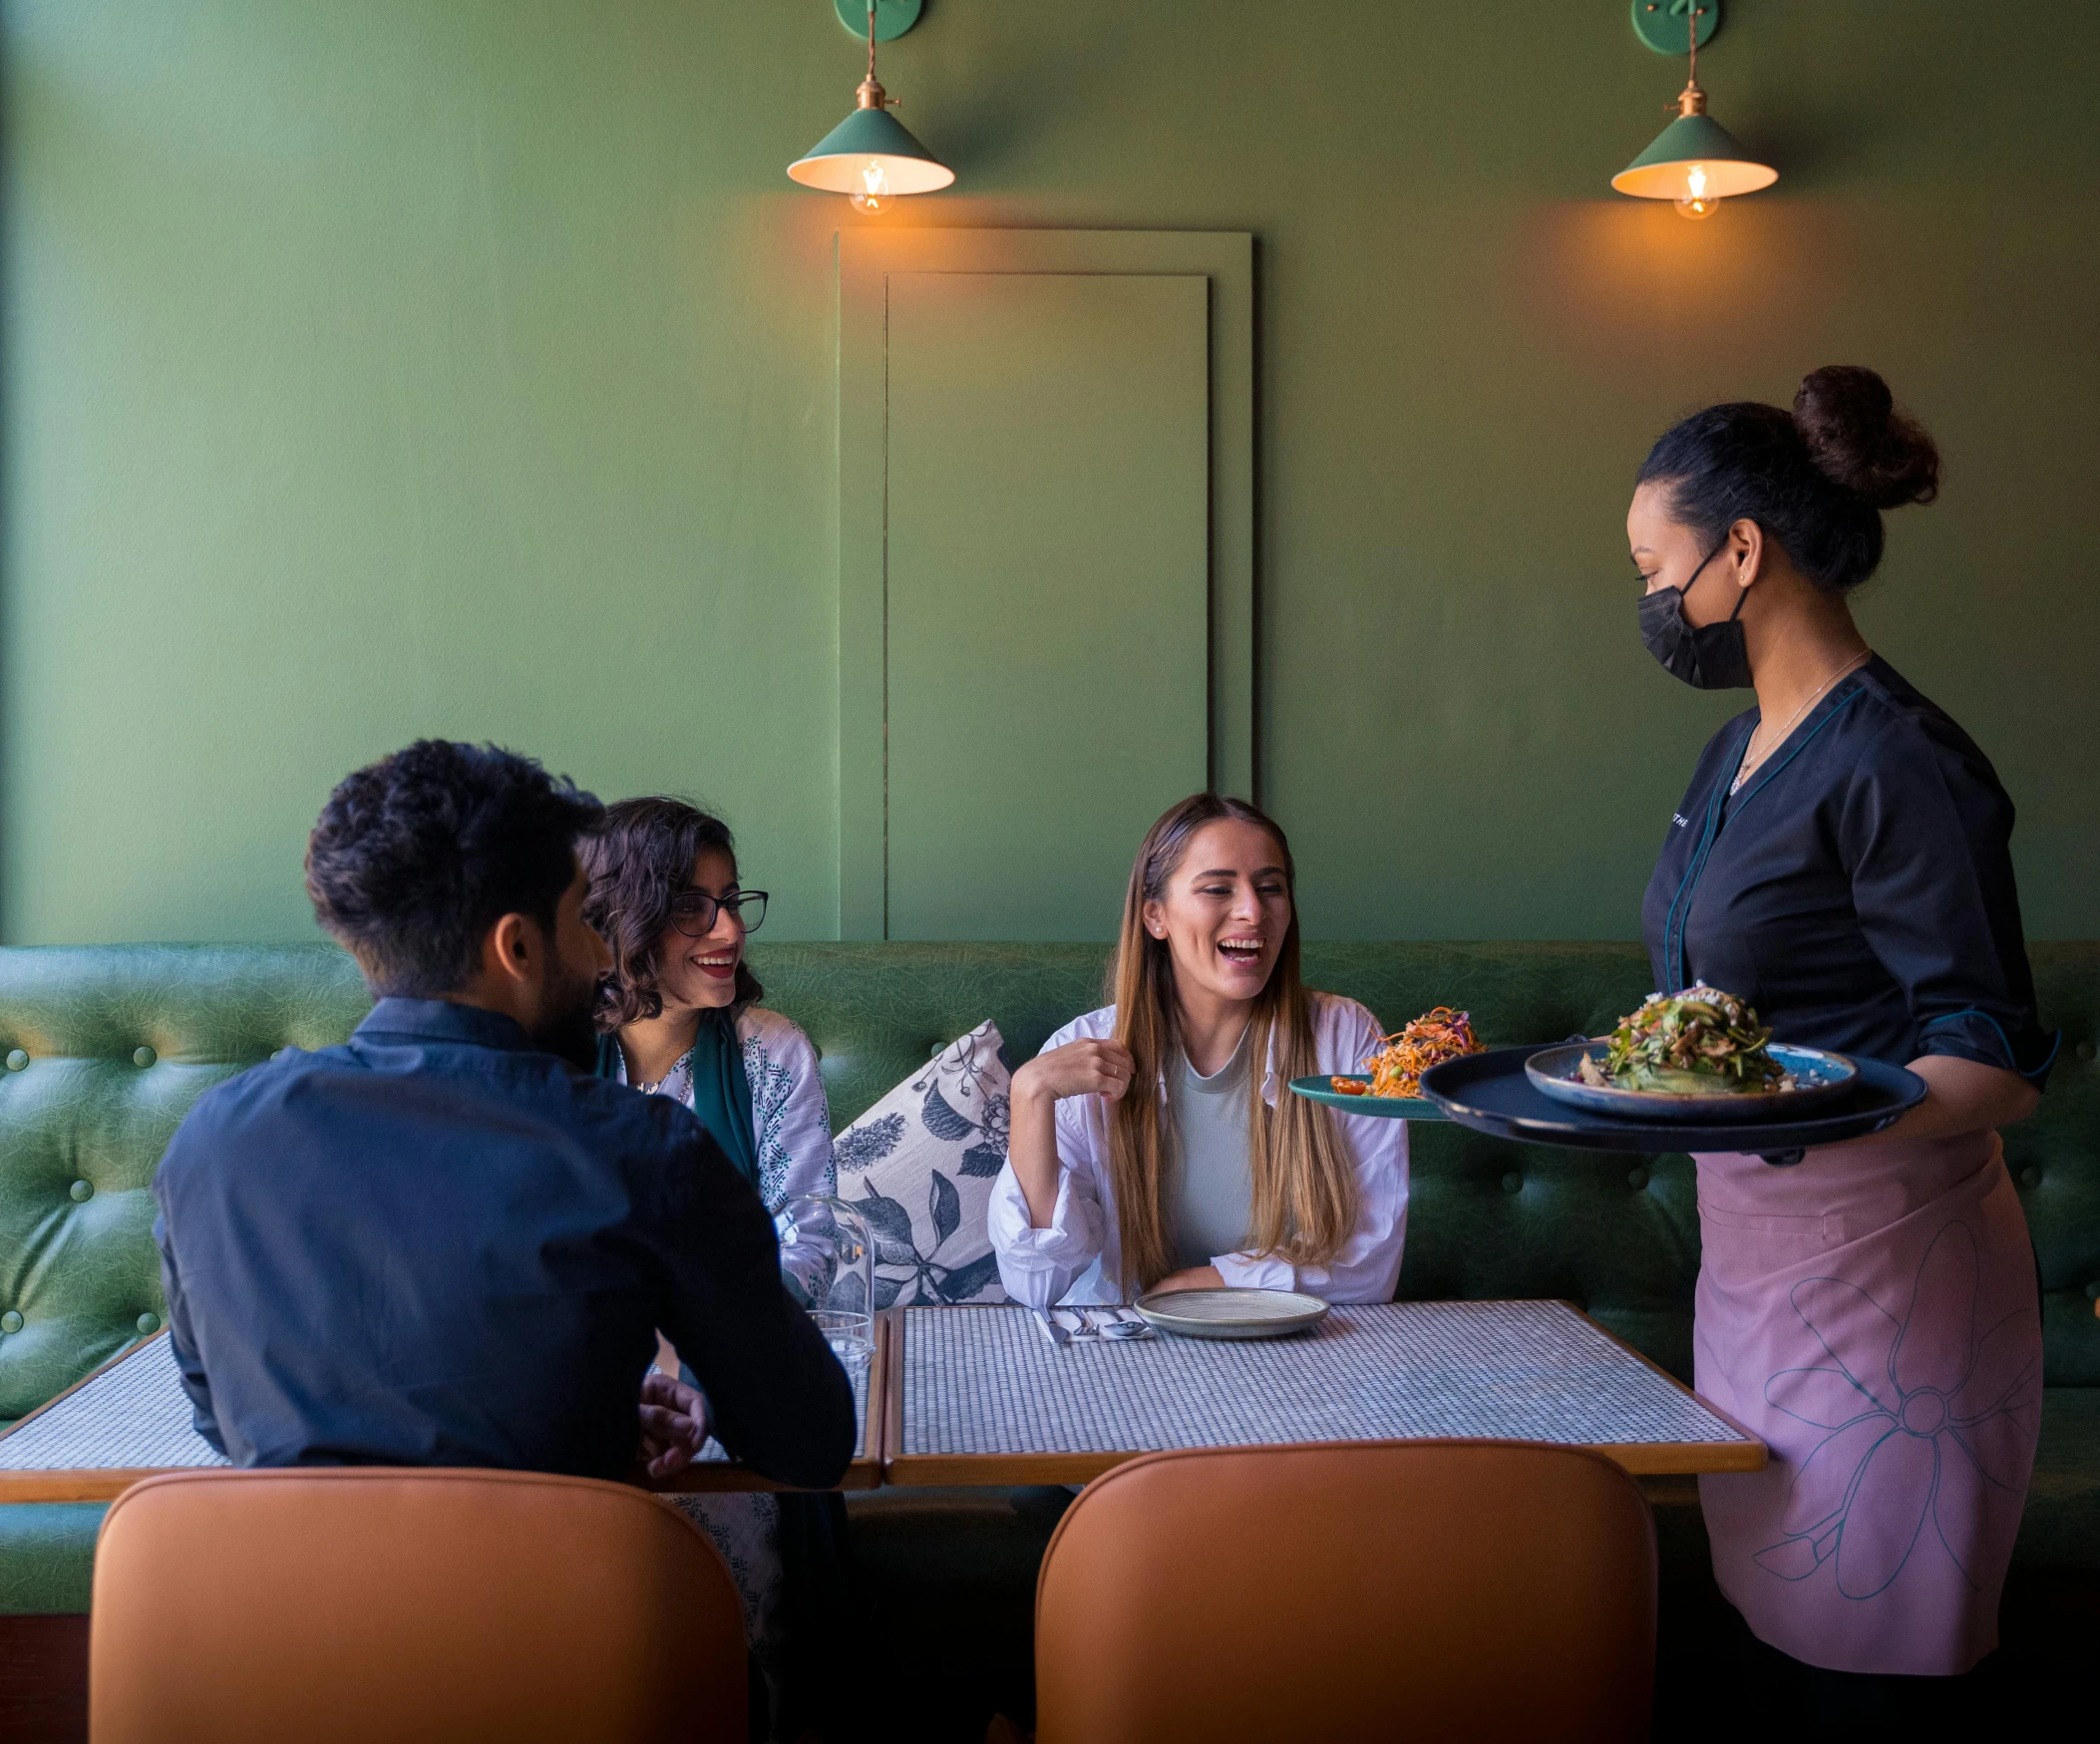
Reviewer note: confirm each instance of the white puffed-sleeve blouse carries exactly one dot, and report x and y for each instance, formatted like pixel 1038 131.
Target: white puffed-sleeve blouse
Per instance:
pixel 1077 1257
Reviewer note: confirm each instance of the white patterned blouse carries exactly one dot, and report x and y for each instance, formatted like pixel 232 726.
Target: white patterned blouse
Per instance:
pixel 790 1118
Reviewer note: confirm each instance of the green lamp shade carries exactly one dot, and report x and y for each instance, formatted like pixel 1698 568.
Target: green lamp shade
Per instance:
pixel 871 139
pixel 1694 157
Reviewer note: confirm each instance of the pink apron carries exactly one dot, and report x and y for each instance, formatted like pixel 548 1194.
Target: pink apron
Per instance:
pixel 1870 1313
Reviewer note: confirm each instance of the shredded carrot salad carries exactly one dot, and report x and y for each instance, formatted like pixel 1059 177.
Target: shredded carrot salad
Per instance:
pixel 1402 1057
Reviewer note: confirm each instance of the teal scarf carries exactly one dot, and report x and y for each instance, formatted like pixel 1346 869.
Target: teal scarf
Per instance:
pixel 721 1092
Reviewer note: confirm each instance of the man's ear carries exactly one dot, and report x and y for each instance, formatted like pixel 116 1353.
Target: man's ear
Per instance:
pixel 512 950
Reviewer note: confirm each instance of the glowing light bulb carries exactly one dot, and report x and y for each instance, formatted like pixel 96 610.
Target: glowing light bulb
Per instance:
pixel 873 195
pixel 1697 202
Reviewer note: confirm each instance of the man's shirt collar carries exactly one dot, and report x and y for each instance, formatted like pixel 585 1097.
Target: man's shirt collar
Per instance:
pixel 447 1020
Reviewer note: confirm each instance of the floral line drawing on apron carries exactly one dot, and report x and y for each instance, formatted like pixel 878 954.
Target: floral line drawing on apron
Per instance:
pixel 1904 1398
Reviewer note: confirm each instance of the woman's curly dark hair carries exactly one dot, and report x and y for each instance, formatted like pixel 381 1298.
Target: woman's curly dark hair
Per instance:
pixel 637 860
pixel 1815 478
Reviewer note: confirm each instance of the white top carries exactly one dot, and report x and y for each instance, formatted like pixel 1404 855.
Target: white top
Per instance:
pixel 790 1118
pixel 1079 1256
pixel 1214 1171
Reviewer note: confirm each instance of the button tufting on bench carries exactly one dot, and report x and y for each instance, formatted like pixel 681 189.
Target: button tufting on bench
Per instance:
pixel 1636 1178
pixel 147 1324
pixel 80 1192
pixel 16 1059
pixel 144 1056
pixel 10 1322
pixel 1512 1182
pixel 2030 1177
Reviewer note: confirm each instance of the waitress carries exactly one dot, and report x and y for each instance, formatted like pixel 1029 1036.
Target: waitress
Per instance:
pixel 1842 862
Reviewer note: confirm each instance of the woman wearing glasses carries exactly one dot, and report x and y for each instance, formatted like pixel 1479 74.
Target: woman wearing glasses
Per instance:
pixel 679 1016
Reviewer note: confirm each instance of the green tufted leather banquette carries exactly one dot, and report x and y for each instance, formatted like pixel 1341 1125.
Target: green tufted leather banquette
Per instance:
pixel 106 1047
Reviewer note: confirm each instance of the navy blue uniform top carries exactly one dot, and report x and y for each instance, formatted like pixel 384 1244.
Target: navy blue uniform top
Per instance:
pixel 1858 890
pixel 437 1245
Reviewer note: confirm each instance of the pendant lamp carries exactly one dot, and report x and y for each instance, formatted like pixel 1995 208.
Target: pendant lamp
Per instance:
pixel 1694 161
pixel 870 156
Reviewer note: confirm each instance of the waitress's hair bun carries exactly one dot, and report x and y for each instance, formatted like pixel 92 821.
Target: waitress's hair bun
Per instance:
pixel 1816 478
pixel 1858 437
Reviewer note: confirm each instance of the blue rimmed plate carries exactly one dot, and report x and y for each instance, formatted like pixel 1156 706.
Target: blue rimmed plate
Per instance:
pixel 1322 1089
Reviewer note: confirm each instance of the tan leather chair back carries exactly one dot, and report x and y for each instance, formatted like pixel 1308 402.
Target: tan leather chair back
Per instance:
pixel 355 1603
pixel 1422 1591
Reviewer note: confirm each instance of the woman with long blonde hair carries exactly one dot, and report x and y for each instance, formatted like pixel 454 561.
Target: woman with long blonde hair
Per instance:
pixel 1155 1143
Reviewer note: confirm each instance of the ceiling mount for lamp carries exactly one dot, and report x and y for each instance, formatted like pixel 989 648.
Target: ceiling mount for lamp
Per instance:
pixel 892 17
pixel 1694 161
pixel 1658 23
pixel 870 156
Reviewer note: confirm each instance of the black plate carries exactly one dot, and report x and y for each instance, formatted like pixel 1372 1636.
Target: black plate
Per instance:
pixel 1490 1093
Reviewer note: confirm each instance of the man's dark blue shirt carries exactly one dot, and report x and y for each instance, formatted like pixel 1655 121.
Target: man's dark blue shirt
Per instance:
pixel 437 1245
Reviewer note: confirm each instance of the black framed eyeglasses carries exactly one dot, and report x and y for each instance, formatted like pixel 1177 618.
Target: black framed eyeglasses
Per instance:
pixel 693 912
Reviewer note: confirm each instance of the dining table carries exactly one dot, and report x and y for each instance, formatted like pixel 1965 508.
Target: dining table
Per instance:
pixel 980 1395
pixel 977 1395
pixel 130 1419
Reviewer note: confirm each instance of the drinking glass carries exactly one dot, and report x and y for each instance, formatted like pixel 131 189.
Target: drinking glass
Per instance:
pixel 827 1261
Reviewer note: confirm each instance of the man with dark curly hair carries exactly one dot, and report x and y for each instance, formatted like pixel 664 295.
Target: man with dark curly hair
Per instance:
pixel 446 1242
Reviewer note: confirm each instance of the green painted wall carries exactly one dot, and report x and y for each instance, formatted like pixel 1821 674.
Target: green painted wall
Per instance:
pixel 425 366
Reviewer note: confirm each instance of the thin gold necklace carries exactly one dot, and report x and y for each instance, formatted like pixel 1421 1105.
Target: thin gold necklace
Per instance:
pixel 1749 766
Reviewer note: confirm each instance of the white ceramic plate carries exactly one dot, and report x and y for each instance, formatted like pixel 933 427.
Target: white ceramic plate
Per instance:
pixel 1231 1313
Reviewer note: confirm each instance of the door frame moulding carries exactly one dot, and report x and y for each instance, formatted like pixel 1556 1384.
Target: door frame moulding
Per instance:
pixel 866 259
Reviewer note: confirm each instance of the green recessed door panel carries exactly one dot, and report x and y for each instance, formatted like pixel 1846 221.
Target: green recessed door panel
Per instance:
pixel 1047 600
pixel 1045 565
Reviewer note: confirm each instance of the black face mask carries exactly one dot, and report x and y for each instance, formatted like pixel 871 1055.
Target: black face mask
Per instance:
pixel 1705 656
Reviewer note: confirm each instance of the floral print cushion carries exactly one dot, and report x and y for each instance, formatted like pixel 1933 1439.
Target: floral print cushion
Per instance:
pixel 920 1167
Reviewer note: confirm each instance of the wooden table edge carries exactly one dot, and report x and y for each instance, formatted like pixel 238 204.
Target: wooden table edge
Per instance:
pixel 106 1483
pixel 1764 1454
pixel 928 1471
pixel 718 1478
pixel 1653 1459
pixel 83 1483
pixel 892 1390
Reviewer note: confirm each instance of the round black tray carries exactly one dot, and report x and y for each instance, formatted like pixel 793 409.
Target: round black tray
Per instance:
pixel 1490 1093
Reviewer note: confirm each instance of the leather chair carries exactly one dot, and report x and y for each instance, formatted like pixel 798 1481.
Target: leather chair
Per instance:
pixel 352 1603
pixel 1427 1590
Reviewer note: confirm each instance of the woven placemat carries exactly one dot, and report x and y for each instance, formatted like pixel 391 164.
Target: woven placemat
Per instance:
pixel 986 1381
pixel 132 1417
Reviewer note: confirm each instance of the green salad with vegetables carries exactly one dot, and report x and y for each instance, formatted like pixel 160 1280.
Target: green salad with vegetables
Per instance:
pixel 1701 1042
